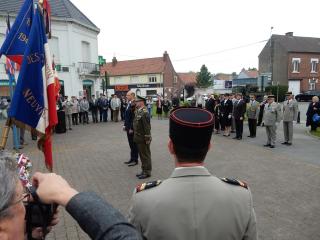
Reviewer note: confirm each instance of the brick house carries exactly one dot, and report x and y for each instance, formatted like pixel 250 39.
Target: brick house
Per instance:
pixel 290 60
pixel 146 77
pixel 189 78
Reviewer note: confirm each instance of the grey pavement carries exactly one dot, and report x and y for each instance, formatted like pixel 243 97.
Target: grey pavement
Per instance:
pixel 285 181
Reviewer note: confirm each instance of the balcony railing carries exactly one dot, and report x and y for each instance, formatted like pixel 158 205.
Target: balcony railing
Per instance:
pixel 89 68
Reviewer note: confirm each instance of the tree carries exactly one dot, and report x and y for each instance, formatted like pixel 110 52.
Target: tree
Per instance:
pixel 204 77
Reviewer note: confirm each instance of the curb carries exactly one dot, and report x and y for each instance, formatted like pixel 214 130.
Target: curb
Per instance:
pixel 311 135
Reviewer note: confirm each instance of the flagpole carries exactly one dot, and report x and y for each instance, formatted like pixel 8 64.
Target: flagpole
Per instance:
pixel 14 127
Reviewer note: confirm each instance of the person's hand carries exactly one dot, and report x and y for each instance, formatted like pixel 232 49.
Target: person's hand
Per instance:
pixel 241 118
pixel 130 131
pixel 124 128
pixel 52 188
pixel 229 116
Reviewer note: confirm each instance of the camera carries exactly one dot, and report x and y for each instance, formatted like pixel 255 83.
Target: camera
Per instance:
pixel 38 214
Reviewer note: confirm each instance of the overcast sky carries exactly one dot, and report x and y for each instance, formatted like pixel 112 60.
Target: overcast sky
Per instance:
pixel 132 29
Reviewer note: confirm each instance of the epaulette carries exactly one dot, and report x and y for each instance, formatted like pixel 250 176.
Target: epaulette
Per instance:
pixel 147 185
pixel 235 182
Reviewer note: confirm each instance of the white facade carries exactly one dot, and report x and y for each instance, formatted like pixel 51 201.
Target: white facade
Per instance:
pixel 219 87
pixel 142 85
pixel 75 49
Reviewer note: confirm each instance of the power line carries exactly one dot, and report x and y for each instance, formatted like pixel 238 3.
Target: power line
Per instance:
pixel 221 51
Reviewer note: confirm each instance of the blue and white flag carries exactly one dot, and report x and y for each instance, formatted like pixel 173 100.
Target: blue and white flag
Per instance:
pixel 16 42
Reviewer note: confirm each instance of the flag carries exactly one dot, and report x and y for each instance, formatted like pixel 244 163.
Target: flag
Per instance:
pixel 57 85
pixel 47 16
pixel 16 42
pixel 10 66
pixel 34 102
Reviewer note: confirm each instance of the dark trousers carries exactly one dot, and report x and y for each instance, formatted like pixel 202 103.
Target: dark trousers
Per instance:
pixel 85 117
pixel 314 126
pixel 239 128
pixel 260 117
pixel 222 123
pixel 252 127
pixel 94 116
pixel 100 114
pixel 122 113
pixel 74 118
pixel 217 124
pixel 105 115
pixel 111 112
pixel 80 117
pixel 145 157
pixel 133 148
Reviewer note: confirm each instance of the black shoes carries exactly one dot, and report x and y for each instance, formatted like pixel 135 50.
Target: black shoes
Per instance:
pixel 131 164
pixel 267 145
pixel 287 143
pixel 144 176
pixel 272 146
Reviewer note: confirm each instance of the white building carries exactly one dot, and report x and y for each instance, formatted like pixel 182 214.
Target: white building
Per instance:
pixel 74 45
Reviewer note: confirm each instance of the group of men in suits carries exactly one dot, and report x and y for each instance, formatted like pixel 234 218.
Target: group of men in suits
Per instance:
pixel 232 110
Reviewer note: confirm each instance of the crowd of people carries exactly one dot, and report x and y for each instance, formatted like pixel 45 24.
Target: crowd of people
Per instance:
pixel 230 111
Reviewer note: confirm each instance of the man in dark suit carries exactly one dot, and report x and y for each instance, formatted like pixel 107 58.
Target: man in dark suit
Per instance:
pixel 239 111
pixel 128 128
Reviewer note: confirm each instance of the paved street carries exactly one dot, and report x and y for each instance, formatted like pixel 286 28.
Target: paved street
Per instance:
pixel 285 181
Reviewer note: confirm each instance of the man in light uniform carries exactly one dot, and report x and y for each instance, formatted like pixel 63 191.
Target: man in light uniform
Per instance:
pixel 192 203
pixel 290 114
pixel 271 116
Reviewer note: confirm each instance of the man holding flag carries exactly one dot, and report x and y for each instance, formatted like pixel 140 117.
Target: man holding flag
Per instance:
pixel 34 101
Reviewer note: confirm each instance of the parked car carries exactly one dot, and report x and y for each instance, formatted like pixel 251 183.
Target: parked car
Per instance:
pixel 307 96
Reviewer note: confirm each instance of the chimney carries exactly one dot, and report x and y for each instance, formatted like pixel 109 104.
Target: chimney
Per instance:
pixel 114 61
pixel 289 34
pixel 165 56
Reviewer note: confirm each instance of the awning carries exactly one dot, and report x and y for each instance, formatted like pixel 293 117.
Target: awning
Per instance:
pixel 87 82
pixel 5 83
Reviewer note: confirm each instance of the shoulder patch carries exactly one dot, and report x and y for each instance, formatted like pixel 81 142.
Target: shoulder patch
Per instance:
pixel 235 182
pixel 147 185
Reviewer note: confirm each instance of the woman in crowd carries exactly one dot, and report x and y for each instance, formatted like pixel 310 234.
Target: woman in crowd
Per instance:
pixel 166 107
pixel 314 108
pixel 159 107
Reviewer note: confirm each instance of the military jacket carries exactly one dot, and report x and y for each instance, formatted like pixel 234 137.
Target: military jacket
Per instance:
pixel 290 110
pixel 141 126
pixel 272 114
pixel 193 204
pixel 253 109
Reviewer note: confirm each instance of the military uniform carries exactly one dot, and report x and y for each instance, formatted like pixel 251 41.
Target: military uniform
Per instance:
pixel 142 137
pixel 272 115
pixel 193 204
pixel 253 110
pixel 290 114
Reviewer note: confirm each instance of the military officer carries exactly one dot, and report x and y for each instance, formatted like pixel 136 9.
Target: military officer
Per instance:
pixel 290 114
pixel 142 136
pixel 192 203
pixel 253 110
pixel 271 116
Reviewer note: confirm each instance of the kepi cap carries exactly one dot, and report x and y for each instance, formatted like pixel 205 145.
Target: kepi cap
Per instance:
pixel 191 128
pixel 271 96
pixel 288 93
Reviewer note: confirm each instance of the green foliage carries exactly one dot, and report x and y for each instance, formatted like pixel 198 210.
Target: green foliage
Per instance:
pixel 279 90
pixel 316 133
pixel 204 77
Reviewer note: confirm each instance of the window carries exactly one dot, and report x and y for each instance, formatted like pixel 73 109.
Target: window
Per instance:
pixel 295 65
pixel 85 51
pixel 152 79
pixel 314 65
pixel 151 92
pixel 312 84
pixel 175 80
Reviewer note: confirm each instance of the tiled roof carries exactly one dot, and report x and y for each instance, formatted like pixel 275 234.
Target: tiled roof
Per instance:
pixel 188 78
pixel 135 67
pixel 63 9
pixel 223 76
